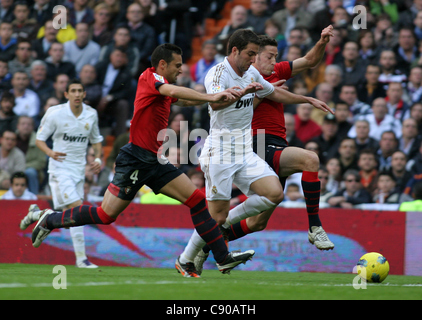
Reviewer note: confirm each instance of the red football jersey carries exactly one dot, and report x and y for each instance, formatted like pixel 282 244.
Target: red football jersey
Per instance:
pixel 151 113
pixel 269 115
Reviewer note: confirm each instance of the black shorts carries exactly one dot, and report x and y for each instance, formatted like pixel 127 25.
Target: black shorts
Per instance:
pixel 136 167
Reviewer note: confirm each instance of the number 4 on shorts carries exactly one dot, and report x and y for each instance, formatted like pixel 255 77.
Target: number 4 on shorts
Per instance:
pixel 134 176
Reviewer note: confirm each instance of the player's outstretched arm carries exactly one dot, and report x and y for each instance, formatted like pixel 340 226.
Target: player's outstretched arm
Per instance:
pixel 189 96
pixel 281 95
pixel 251 88
pixel 314 56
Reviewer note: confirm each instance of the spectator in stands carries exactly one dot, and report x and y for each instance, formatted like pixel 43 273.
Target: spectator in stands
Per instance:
pixel 348 155
pixel 353 193
pixel 88 77
pixel 387 191
pixel 395 104
pixel 8 119
pixel 7 42
pixel 79 11
pixel 23 57
pixel 23 26
pixel 197 116
pixel 388 145
pixel 389 71
pixel 413 90
pixel 82 50
pixel 209 59
pixel 362 139
pixel 42 10
pixel 18 189
pixel 406 50
pixel 328 140
pixel 305 127
pixel 258 13
pixel 293 15
pixel 65 33
pixel 368 50
pixel 39 82
pixel 59 87
pixel 323 92
pixel 384 34
pixel 197 177
pixel 5 77
pixel 34 158
pixel 13 159
pixel 325 193
pixel 333 76
pixel 323 18
pixel 41 45
pixel 343 117
pixel 185 79
pixel 348 94
pixel 409 142
pixel 142 34
pixel 116 88
pixel 119 142
pixel 100 180
pixel 238 19
pixel 333 49
pixel 334 174
pixel 149 9
pixel 415 112
pixel 379 121
pixel 27 102
pixel 122 39
pixel 56 64
pixel 398 170
pixel 6 10
pixel 368 172
pixel 371 88
pixel 101 31
pixel 342 20
pixel 290 123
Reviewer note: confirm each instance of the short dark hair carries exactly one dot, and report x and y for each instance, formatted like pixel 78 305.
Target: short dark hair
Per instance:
pixel 18 175
pixel 74 81
pixel 164 52
pixel 241 38
pixel 267 41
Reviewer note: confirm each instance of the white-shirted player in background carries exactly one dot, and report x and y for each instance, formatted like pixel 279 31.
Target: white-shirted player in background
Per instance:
pixel 227 156
pixel 72 125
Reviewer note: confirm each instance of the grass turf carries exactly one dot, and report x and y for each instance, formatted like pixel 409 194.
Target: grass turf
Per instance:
pixel 28 281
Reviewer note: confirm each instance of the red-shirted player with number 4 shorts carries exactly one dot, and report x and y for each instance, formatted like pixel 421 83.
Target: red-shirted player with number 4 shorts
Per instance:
pixel 139 162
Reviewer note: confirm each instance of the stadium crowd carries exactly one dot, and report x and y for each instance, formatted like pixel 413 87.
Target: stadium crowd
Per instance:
pixel 370 151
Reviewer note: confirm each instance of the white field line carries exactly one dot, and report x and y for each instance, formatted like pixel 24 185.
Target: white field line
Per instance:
pixel 141 282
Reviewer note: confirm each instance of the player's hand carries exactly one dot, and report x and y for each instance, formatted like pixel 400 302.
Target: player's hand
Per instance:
pixel 320 105
pixel 327 33
pixel 95 167
pixel 280 83
pixel 252 88
pixel 58 156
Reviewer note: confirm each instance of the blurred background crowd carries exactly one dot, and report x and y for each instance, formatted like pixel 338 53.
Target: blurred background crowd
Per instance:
pixel 370 151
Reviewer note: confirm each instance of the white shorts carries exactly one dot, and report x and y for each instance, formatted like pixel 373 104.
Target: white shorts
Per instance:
pixel 65 189
pixel 219 177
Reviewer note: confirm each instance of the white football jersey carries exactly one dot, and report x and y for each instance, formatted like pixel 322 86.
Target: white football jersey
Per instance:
pixel 70 135
pixel 234 122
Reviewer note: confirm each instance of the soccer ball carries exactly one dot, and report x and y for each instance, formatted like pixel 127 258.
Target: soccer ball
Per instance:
pixel 373 267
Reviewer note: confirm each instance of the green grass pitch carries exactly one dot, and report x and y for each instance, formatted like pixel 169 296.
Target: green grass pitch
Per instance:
pixel 28 281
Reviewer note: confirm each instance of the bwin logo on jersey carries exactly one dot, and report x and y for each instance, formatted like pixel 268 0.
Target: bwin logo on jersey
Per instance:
pixel 244 103
pixel 79 138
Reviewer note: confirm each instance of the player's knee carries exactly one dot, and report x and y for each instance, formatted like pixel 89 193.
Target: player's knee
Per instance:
pixel 311 161
pixel 275 196
pixel 220 217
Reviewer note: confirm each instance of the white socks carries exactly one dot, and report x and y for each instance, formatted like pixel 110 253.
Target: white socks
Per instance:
pixel 195 244
pixel 252 206
pixel 78 239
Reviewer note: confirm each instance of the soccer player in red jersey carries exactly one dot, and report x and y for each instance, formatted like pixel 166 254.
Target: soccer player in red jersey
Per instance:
pixel 139 162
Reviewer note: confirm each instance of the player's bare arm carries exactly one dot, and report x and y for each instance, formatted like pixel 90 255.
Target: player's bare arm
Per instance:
pixel 96 165
pixel 279 83
pixel 284 96
pixel 314 56
pixel 58 156
pixel 251 88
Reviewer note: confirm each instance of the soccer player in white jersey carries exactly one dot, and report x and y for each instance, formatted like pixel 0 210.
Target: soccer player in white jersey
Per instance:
pixel 72 125
pixel 227 156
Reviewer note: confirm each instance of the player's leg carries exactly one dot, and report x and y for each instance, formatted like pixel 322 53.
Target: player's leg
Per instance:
pixel 294 160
